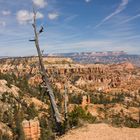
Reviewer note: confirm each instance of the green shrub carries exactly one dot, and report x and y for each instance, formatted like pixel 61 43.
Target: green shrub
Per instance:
pixel 46 130
pixel 31 111
pixel 129 122
pixel 79 114
pixel 126 121
pixel 4 137
pixel 117 120
pixel 76 99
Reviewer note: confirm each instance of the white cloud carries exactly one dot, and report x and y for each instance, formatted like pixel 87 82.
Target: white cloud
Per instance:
pixel 2 23
pixel 131 18
pixel 6 12
pixel 70 18
pixel 40 3
pixel 96 45
pixel 24 16
pixel 120 8
pixel 53 16
pixel 87 1
pixel 93 43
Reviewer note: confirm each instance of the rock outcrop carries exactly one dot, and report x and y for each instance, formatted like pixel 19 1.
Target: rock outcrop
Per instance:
pixel 31 129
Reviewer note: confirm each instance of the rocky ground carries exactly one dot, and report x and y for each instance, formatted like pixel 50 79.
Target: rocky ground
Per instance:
pixel 102 132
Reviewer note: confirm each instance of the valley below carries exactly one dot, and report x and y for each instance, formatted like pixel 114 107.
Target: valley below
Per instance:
pixel 105 97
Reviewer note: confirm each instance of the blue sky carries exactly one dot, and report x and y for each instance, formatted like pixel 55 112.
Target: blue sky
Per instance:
pixel 70 26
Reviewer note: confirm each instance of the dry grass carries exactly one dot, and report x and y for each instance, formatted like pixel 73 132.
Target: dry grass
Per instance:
pixel 102 132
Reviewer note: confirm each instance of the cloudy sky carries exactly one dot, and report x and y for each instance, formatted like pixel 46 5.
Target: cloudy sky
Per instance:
pixel 70 26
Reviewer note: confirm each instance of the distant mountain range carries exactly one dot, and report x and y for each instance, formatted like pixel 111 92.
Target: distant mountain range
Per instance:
pixel 109 57
pixel 1 57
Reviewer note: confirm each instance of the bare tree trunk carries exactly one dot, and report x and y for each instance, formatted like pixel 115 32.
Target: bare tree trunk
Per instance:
pixel 56 113
pixel 66 102
pixel 66 123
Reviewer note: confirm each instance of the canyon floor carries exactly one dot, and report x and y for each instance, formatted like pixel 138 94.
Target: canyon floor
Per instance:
pixel 102 132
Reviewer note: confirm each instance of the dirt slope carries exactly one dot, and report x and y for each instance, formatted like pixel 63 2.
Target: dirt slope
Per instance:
pixel 102 132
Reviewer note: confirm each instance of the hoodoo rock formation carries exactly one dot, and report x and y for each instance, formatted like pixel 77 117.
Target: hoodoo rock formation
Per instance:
pixel 31 129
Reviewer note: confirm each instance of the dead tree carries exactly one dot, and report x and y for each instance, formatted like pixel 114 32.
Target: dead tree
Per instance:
pixel 66 123
pixel 49 90
pixel 66 102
